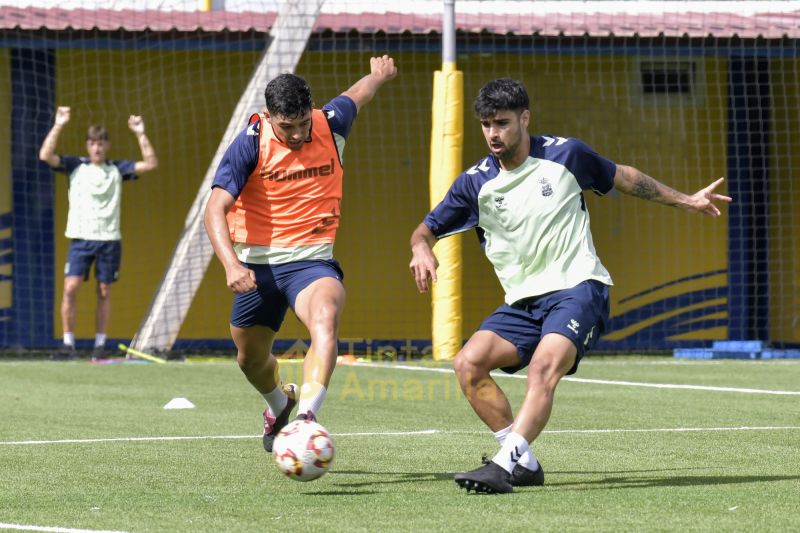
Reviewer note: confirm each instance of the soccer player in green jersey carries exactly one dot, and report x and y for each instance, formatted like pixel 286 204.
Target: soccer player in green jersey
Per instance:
pixel 525 199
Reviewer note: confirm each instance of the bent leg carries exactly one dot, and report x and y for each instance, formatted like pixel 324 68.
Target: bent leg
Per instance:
pixel 553 358
pixel 318 307
pixel 254 355
pixel 484 352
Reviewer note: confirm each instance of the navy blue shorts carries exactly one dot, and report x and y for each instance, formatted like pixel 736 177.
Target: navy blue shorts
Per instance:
pixel 579 313
pixel 278 287
pixel 106 256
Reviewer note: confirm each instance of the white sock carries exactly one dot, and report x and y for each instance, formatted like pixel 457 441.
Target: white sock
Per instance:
pixel 276 400
pixel 311 397
pixel 513 449
pixel 502 434
pixel 528 460
pixel 99 340
pixel 69 339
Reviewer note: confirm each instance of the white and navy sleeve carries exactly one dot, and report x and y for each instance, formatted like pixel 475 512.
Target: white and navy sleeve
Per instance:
pixel 593 171
pixel 239 161
pixel 458 211
pixel 341 113
pixel 68 163
pixel 126 169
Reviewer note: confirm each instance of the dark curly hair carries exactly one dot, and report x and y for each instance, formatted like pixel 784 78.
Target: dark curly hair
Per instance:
pixel 288 95
pixel 503 94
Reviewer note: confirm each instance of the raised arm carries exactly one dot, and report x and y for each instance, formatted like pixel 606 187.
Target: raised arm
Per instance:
pixel 382 69
pixel 636 183
pixel 149 160
pixel 423 261
pixel 47 152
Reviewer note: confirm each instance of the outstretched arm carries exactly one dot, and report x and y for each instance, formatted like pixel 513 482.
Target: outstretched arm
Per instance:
pixel 636 183
pixel 238 278
pixel 149 159
pixel 47 152
pixel 423 261
pixel 382 69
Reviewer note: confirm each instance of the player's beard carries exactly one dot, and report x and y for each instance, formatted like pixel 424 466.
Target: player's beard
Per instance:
pixel 509 150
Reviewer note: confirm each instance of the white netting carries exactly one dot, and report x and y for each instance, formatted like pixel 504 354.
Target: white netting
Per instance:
pixel 686 91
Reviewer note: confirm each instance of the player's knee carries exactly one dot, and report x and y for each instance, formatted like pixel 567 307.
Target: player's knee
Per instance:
pixel 70 289
pixel 468 368
pixel 326 318
pixel 546 370
pixel 254 360
pixel 243 361
pixel 103 291
pixel 69 296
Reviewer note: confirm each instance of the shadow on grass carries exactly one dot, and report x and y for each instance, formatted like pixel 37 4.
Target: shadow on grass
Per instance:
pixel 607 472
pixel 609 481
pixel 628 482
pixel 374 479
pixel 392 477
pixel 341 493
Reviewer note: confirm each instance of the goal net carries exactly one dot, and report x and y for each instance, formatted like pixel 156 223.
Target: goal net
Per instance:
pixel 685 91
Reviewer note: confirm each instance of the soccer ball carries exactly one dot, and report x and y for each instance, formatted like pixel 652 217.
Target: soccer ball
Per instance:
pixel 303 450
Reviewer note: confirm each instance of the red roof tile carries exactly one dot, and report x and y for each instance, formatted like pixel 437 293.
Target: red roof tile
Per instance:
pixel 671 24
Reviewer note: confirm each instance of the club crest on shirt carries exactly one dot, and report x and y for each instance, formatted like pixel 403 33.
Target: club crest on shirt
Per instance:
pixel 547 189
pixel 500 202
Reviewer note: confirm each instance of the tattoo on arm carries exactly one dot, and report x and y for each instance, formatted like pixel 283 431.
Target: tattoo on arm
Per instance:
pixel 649 189
pixel 644 188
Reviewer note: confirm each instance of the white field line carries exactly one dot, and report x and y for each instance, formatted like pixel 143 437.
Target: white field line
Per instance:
pixel 679 361
pixel 210 437
pixel 672 430
pixel 598 381
pixel 21 527
pixel 434 431
pixel 689 387
pixel 401 434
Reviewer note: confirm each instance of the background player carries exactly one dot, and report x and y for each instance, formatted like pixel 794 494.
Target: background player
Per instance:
pixel 93 219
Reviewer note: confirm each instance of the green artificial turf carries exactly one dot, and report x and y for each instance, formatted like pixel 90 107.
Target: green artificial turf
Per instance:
pixel 618 455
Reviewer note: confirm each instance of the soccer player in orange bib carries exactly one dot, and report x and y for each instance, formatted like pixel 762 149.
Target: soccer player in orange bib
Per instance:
pixel 272 218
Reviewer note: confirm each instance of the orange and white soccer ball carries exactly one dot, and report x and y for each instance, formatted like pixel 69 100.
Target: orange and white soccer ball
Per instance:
pixel 303 450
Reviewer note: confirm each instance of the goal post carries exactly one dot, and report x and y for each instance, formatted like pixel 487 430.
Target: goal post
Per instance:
pixel 447 143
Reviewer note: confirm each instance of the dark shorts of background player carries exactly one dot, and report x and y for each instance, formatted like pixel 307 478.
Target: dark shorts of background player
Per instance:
pixel 106 256
pixel 278 287
pixel 579 313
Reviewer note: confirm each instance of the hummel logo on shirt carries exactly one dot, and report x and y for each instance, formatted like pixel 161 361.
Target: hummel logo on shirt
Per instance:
pixel 550 140
pixel 291 174
pixel 483 165
pixel 573 326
